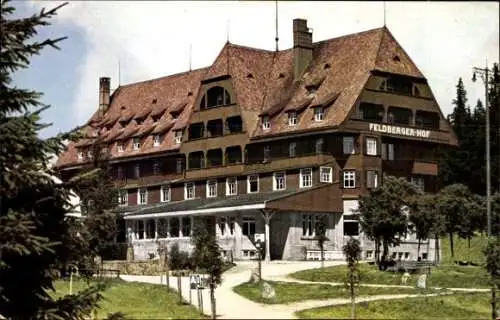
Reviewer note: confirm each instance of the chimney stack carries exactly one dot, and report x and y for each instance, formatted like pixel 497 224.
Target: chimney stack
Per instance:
pixel 104 91
pixel 302 47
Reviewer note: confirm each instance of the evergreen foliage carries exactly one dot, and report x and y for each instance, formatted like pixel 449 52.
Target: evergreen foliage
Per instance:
pixel 37 239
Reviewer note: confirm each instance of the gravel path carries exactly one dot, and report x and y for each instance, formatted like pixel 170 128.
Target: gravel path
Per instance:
pixel 233 306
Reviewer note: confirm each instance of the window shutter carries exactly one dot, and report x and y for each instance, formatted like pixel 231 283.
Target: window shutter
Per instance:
pixel 358 178
pixel 367 179
pixel 341 178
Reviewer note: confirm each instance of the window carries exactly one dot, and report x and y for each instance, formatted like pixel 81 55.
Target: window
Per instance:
pixel 137 171
pixel 178 136
pixel 369 254
pixel 349 179
pixel 150 229
pixel 231 186
pixel 189 191
pixel 419 183
pixel 178 165
pixel 279 181
pixel 119 146
pixel 325 174
pixel 292 149
pixel 165 193
pixel 232 223
pixel 156 140
pixel 89 154
pixel 80 155
pixel 248 226
pixel 318 114
pixel 267 153
pixel 122 197
pixel 119 173
pixel 253 183
pixel 174 227
pixel 400 255
pixel 140 229
pixel 305 178
pixel 156 167
pixel 371 146
pixel 424 255
pixel 348 145
pixel 319 145
pixel 310 224
pixel 162 228
pixel 186 226
pixel 407 255
pixel 292 118
pixel 222 225
pixel 137 143
pixel 216 96
pixel 387 151
pixel 266 125
pixel 351 227
pixel 211 188
pixel 142 196
pixel 371 179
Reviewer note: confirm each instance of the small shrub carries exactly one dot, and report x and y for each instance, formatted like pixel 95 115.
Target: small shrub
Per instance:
pixel 179 260
pixel 113 251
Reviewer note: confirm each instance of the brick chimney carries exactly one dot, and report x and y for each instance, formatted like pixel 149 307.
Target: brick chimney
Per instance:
pixel 302 47
pixel 104 84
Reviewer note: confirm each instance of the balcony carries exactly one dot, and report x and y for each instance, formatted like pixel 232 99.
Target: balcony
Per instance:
pixel 215 171
pixel 425 168
pixel 289 163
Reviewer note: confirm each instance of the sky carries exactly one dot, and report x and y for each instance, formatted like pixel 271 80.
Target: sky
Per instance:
pixel 153 39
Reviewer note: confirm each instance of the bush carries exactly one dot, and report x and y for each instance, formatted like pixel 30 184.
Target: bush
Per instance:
pixel 179 260
pixel 113 251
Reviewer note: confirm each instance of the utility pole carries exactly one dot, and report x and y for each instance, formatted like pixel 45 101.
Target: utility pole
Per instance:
pixel 484 73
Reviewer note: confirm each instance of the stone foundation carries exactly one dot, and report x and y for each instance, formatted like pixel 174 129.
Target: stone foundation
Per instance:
pixel 144 268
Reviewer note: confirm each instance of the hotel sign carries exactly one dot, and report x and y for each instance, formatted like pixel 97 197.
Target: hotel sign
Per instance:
pixel 409 132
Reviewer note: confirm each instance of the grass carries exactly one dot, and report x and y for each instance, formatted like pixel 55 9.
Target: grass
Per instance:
pixel 136 300
pixel 457 306
pixel 287 292
pixel 442 276
pixel 462 250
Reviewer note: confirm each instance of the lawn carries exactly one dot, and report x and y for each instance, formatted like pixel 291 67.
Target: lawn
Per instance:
pixel 457 306
pixel 136 300
pixel 287 292
pixel 441 276
pixel 462 250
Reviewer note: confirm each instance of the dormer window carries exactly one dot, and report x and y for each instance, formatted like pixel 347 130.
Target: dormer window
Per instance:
pixel 319 114
pixel 292 118
pixel 80 155
pixel 119 146
pixel 156 140
pixel 89 154
pixel 266 125
pixel 215 97
pixel 137 143
pixel 178 136
pixel 139 121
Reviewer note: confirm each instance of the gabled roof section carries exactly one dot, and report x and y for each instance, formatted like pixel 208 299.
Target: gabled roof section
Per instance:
pixel 340 69
pixel 393 58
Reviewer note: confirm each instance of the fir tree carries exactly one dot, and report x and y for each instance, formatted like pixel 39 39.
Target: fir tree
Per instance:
pixel 36 237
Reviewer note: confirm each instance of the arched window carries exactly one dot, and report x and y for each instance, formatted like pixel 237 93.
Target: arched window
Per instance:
pixel 215 97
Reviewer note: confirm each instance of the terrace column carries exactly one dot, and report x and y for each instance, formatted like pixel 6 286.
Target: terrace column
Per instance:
pixel 180 226
pixel 267 215
pixel 145 226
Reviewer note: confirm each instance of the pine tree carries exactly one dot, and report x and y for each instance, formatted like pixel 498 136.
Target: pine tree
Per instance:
pixel 454 164
pixel 37 239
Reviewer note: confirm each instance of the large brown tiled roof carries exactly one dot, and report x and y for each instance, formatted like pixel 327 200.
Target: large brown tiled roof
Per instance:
pixel 263 83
